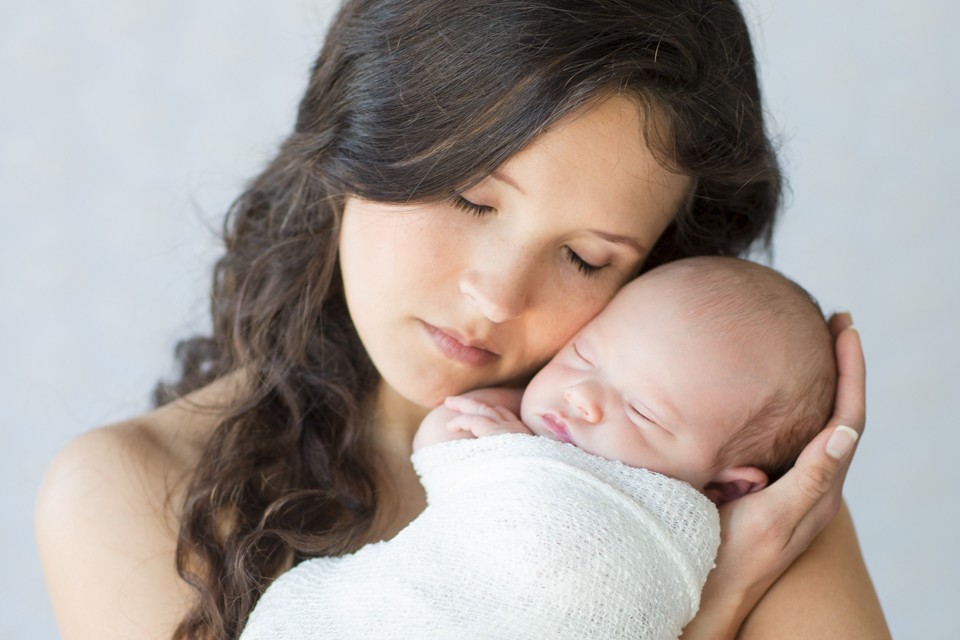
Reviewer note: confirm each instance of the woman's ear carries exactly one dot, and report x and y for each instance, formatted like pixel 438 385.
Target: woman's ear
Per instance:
pixel 734 482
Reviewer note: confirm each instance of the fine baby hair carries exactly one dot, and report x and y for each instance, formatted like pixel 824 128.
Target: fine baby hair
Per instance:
pixel 745 302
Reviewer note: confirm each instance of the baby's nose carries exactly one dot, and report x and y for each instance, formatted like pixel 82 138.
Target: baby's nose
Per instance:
pixel 585 402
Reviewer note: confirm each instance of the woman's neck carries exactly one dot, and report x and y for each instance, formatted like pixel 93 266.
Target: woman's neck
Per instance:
pixel 397 420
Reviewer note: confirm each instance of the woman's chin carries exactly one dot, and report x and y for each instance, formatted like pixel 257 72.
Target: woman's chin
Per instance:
pixel 416 396
pixel 428 387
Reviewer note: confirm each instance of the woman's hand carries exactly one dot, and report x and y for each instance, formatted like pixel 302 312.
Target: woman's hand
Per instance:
pixel 764 532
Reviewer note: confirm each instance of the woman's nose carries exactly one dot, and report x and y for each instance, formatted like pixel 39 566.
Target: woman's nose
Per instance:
pixel 586 401
pixel 499 294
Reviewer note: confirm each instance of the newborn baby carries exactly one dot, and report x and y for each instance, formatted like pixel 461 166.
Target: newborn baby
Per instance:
pixel 700 382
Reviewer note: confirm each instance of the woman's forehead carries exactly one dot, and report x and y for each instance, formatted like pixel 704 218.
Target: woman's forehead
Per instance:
pixel 598 161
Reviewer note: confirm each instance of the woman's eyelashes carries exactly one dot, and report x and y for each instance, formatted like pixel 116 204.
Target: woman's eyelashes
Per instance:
pixel 479 210
pixel 582 265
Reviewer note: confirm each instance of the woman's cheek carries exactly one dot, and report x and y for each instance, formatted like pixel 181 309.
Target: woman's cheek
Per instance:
pixel 575 303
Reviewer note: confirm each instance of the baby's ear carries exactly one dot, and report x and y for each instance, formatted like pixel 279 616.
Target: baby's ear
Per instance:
pixel 733 483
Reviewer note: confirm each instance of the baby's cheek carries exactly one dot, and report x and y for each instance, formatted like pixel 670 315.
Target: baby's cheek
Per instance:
pixel 699 461
pixel 543 390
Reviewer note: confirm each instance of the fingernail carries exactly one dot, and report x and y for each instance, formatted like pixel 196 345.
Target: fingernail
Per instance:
pixel 841 442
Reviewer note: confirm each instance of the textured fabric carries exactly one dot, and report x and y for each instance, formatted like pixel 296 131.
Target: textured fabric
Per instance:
pixel 523 538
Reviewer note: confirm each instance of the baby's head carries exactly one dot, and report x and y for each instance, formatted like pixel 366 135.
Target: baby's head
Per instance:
pixel 716 371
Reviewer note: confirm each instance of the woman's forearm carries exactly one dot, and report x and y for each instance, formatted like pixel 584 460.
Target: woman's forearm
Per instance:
pixel 790 565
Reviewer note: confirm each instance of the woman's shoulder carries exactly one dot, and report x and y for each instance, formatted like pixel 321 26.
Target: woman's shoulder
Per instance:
pixel 115 461
pixel 107 517
pixel 151 454
pixel 145 457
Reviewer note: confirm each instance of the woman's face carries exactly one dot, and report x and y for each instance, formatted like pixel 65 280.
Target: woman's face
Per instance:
pixel 482 291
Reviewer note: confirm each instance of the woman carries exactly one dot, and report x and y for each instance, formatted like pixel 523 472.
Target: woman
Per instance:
pixel 466 185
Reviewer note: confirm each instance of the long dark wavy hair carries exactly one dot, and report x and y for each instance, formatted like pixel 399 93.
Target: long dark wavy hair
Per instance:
pixel 414 100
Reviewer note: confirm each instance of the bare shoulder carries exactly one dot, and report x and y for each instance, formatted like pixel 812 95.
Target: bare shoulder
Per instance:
pixel 106 520
pixel 829 578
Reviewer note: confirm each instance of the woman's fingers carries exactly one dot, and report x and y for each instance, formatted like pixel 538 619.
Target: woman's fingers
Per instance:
pixel 849 410
pixel 764 532
pixel 814 485
pixel 840 321
pixel 810 493
pixel 850 404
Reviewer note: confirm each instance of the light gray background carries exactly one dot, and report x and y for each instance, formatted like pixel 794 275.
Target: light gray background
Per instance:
pixel 127 127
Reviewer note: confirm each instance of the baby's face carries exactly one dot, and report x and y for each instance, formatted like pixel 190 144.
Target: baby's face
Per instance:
pixel 645 384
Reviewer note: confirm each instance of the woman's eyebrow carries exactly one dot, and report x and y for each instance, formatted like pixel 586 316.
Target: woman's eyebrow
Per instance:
pixel 498 174
pixel 619 239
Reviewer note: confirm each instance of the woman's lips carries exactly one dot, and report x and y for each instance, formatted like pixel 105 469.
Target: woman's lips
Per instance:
pixel 455 347
pixel 557 427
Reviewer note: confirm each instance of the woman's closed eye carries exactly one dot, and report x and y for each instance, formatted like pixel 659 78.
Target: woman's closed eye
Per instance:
pixel 582 265
pixel 479 210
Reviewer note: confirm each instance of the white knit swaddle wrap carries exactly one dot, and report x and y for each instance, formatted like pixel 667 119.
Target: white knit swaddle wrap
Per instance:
pixel 523 538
